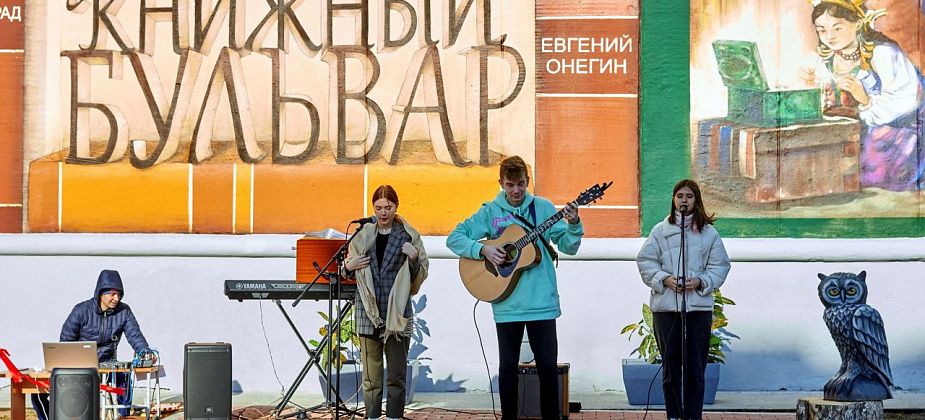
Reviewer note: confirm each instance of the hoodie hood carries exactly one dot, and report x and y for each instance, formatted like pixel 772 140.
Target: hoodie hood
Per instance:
pixel 501 201
pixel 109 279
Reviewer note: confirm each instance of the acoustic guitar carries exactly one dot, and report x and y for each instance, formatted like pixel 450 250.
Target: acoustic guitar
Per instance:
pixel 494 283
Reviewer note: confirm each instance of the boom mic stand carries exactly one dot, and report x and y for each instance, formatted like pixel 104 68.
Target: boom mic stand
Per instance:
pixel 334 291
pixel 682 284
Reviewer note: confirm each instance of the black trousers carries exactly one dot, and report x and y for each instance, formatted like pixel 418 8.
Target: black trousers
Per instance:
pixel 545 346
pixel 668 336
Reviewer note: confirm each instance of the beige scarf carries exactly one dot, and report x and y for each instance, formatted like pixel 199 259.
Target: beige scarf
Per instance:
pixel 404 286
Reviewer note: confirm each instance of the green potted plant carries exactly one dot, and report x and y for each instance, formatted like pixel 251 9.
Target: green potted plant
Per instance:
pixel 642 376
pixel 346 343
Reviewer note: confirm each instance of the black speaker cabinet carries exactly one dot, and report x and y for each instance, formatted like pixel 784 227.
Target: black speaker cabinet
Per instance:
pixel 207 381
pixel 528 394
pixel 75 394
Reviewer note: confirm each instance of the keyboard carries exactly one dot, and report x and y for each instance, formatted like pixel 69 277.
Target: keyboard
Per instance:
pixel 282 290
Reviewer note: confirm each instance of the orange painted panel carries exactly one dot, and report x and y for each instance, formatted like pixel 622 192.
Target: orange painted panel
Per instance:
pixel 117 197
pixel 11 127
pixel 434 198
pixel 43 196
pixel 10 219
pixel 610 223
pixel 212 190
pixel 11 31
pixel 303 198
pixel 584 56
pixel 587 8
pixel 243 176
pixel 584 141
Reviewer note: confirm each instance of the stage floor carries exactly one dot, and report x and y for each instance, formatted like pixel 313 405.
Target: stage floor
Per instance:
pixel 603 405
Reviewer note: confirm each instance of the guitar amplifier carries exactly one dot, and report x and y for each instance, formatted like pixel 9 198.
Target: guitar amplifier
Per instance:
pixel 528 394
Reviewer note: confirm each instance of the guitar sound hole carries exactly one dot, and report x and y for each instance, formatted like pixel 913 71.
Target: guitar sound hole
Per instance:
pixel 511 253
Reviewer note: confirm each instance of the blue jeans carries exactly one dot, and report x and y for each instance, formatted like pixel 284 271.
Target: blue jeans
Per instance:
pixel 122 381
pixel 40 405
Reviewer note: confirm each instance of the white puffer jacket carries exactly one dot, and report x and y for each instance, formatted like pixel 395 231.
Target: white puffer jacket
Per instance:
pixel 706 259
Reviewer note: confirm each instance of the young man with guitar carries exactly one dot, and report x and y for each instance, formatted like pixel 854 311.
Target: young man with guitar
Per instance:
pixel 531 302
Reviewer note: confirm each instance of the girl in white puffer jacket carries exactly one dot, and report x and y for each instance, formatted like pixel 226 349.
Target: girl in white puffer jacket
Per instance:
pixel 707 266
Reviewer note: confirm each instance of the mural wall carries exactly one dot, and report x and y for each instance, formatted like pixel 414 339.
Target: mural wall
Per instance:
pixel 237 116
pixel 11 112
pixel 809 110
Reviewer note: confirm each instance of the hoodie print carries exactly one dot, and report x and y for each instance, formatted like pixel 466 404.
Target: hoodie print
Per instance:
pixel 499 223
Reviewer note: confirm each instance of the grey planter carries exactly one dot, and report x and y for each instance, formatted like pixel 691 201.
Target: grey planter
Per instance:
pixel 351 382
pixel 638 375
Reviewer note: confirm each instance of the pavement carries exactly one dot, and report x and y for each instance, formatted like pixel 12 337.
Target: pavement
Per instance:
pixel 725 401
pixel 603 405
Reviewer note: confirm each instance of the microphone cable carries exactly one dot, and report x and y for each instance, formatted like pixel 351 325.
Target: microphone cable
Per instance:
pixel 660 366
pixel 266 339
pixel 485 358
pixel 677 304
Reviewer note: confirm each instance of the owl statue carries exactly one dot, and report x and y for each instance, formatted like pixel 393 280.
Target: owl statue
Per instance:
pixel 858 333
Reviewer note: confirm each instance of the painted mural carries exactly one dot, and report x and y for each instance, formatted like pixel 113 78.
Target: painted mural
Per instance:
pixel 806 109
pixel 235 116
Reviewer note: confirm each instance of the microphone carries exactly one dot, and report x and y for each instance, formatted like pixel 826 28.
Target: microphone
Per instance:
pixel 365 220
pixel 683 209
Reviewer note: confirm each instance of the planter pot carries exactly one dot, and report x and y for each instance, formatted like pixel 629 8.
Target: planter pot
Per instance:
pixel 638 375
pixel 351 380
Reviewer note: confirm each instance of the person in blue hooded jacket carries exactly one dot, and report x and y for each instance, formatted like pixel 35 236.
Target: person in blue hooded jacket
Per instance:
pixel 103 318
pixel 534 303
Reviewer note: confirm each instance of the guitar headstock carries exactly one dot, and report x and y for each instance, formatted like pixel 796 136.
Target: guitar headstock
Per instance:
pixel 592 194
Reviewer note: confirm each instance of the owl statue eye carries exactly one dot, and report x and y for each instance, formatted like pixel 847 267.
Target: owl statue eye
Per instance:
pixel 851 291
pixel 833 292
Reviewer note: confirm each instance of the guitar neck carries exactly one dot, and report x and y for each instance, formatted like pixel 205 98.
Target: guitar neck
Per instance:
pixel 542 227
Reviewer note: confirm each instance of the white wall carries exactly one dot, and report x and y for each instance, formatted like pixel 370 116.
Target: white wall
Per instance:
pixel 176 293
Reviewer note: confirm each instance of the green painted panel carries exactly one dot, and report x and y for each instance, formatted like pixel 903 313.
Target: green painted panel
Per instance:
pixel 874 227
pixel 664 105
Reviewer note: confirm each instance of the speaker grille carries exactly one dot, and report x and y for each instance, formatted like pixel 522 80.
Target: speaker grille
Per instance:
pixel 75 394
pixel 207 381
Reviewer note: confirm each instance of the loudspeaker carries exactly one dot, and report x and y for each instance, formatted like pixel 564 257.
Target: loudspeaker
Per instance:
pixel 528 391
pixel 207 381
pixel 75 394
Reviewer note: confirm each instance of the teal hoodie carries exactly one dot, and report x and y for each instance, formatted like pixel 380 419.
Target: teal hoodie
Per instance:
pixel 536 296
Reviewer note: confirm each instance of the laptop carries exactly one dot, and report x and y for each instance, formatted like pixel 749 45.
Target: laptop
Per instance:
pixel 75 354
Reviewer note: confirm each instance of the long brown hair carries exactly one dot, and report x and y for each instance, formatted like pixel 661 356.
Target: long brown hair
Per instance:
pixel 701 218
pixel 386 192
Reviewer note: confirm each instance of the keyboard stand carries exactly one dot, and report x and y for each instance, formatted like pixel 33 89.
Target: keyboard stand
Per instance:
pixel 314 359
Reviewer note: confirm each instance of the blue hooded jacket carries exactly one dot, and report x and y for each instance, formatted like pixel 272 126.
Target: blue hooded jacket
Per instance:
pixel 88 322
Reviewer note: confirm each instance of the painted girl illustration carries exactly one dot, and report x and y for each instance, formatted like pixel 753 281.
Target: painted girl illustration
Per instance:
pixel 865 74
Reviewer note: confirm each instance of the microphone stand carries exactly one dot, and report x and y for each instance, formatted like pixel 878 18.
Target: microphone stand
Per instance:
pixel 334 289
pixel 682 284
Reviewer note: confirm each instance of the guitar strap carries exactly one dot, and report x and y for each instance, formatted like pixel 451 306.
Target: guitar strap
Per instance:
pixel 531 226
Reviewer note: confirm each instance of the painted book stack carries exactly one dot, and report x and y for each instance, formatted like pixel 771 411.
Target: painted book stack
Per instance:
pixel 771 164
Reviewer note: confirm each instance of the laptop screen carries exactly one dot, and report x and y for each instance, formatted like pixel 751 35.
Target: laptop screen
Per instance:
pixel 76 354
